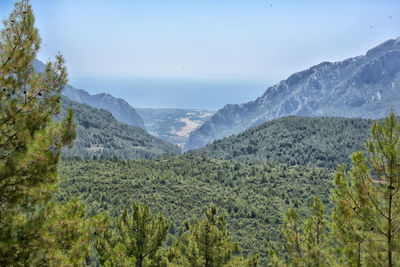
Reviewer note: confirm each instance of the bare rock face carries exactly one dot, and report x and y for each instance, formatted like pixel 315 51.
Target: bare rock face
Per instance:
pixel 365 86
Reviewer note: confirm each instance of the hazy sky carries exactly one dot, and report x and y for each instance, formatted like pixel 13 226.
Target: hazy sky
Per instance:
pixel 208 38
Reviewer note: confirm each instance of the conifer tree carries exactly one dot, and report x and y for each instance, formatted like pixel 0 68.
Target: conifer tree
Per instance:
pixel 367 213
pixel 136 240
pixel 316 244
pixel 208 243
pixel 306 244
pixel 34 231
pixel 292 233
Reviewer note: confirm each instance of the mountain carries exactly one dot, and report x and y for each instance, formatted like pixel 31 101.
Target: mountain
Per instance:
pixel 314 141
pixel 101 136
pixel 118 107
pixel 173 125
pixel 38 66
pixel 365 86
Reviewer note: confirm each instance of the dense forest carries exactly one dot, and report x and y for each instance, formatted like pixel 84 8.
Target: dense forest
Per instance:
pixel 101 136
pixel 254 197
pixel 316 141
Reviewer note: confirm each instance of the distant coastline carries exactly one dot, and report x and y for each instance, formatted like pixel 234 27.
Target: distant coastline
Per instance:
pixel 210 94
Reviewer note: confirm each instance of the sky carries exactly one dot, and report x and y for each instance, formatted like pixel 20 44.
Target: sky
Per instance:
pixel 257 41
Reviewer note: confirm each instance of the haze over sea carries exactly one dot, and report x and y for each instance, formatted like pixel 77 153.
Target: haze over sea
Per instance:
pixel 195 93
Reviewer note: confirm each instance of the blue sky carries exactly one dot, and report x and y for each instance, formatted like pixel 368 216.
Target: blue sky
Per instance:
pixel 214 39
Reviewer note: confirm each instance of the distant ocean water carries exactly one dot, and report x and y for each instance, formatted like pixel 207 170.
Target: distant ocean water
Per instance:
pixel 173 93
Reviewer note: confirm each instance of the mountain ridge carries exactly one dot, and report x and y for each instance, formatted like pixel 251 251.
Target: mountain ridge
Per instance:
pixel 118 107
pixel 365 86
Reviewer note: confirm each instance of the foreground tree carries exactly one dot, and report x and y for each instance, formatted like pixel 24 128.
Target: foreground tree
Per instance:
pixel 292 233
pixel 34 231
pixel 208 243
pixel 367 213
pixel 317 246
pixel 136 239
pixel 306 244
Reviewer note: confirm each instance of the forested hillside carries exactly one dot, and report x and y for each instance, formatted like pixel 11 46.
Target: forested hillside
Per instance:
pixel 317 141
pixel 101 136
pixel 253 196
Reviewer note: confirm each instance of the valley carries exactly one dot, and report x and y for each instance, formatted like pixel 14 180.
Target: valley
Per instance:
pixel 265 165
pixel 173 125
pixel 305 174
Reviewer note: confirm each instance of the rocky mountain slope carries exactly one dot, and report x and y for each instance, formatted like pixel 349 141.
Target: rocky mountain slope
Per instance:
pixel 365 86
pixel 118 107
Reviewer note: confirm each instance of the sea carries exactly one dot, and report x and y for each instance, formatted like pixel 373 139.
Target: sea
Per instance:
pixel 207 94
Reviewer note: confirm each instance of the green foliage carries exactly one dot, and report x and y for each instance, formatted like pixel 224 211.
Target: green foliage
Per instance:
pixel 56 234
pixel 307 245
pixel 316 141
pixel 366 216
pixel 315 249
pixel 365 221
pixel 292 233
pixel 208 243
pixel 136 239
pixel 101 136
pixel 29 142
pixel 34 230
pixel 253 196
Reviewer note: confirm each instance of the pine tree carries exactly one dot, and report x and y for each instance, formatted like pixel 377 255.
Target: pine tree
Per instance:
pixel 306 244
pixel 316 244
pixel 292 233
pixel 136 240
pixel 367 213
pixel 34 230
pixel 208 243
